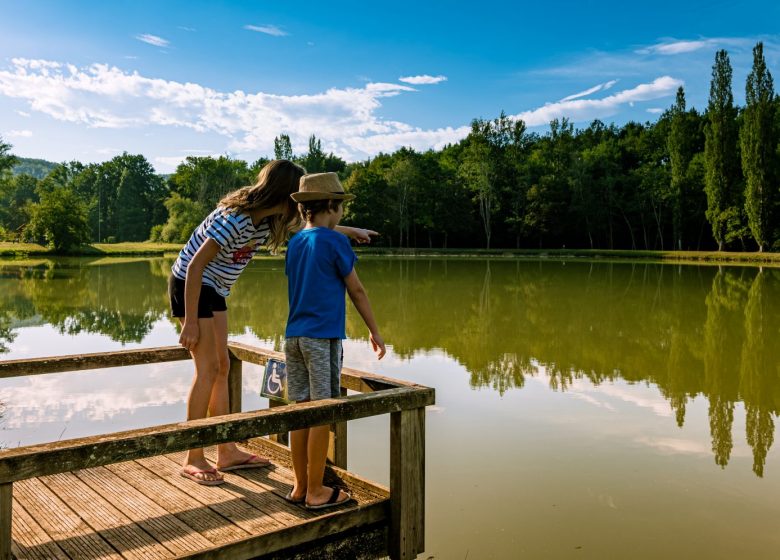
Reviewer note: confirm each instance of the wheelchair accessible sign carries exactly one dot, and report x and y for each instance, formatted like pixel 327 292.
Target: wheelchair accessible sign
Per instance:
pixel 275 381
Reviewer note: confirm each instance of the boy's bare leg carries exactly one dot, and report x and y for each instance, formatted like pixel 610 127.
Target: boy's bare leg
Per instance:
pixel 316 493
pixel 206 371
pixel 299 443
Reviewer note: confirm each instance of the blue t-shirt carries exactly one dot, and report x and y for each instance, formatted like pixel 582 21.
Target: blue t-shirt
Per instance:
pixel 317 261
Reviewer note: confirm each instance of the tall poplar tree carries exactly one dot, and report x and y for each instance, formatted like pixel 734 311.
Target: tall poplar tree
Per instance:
pixel 679 158
pixel 758 138
pixel 283 147
pixel 722 167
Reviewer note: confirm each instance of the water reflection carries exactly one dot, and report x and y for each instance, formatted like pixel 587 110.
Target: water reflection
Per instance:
pixel 689 331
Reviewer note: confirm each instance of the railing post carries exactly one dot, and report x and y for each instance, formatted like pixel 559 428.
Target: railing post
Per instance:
pixel 407 484
pixel 235 381
pixel 284 438
pixel 337 444
pixel 6 509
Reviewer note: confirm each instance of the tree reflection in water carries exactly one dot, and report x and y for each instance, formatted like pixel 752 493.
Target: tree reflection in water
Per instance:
pixel 689 330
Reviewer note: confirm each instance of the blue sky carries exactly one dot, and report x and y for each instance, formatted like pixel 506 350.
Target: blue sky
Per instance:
pixel 88 80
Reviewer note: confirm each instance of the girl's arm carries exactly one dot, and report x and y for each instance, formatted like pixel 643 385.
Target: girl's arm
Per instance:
pixel 359 297
pixel 190 333
pixel 360 235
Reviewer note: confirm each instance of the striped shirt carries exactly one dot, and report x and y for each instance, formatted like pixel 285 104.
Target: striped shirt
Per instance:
pixel 238 239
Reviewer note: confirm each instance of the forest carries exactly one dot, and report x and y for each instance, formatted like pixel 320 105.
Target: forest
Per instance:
pixel 691 180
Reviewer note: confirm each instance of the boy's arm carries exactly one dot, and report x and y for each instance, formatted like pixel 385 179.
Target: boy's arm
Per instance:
pixel 357 293
pixel 190 333
pixel 358 234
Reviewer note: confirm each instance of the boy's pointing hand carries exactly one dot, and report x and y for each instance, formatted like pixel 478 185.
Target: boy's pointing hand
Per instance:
pixel 364 235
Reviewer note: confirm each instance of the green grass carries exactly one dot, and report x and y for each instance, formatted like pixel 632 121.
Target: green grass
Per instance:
pixel 682 256
pixel 149 248
pixel 96 249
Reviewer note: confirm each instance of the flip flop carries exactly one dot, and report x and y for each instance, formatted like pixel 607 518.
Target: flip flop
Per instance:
pixel 247 464
pixel 193 476
pixel 332 501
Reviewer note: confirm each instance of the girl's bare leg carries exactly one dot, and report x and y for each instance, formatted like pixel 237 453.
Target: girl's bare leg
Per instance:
pixel 219 402
pixel 204 355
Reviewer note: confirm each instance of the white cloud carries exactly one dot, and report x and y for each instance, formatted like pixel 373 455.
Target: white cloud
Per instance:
pixel 23 114
pixel 425 79
pixel 678 47
pixel 102 96
pixel 347 119
pixel 267 29
pixel 153 40
pixel 655 110
pixel 579 110
pixel 185 28
pixel 599 87
pixel 19 133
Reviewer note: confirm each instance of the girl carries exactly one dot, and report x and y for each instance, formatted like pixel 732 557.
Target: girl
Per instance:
pixel 201 278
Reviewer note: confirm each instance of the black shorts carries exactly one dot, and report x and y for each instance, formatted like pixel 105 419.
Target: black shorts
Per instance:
pixel 209 301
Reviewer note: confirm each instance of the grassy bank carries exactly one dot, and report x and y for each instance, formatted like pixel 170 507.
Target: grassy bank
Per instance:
pixel 681 256
pixel 156 249
pixel 96 249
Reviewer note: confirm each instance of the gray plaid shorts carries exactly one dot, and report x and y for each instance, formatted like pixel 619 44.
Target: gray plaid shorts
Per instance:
pixel 313 368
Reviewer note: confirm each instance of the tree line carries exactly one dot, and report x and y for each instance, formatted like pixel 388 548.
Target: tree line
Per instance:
pixel 691 180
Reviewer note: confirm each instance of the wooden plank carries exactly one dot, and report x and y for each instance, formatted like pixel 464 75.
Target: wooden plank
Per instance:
pixel 37 460
pixel 220 499
pixel 262 488
pixel 407 484
pixel 211 525
pixel 323 526
pixel 337 441
pixel 6 518
pixel 167 529
pixel 78 362
pixel 30 540
pixel 114 526
pixel 235 384
pixel 68 530
pixel 362 488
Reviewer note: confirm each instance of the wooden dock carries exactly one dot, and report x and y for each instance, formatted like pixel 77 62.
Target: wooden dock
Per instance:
pixel 120 495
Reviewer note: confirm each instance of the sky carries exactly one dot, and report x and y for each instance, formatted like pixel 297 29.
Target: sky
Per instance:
pixel 88 80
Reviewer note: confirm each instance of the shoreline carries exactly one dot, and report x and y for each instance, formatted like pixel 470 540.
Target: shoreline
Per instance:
pixel 11 250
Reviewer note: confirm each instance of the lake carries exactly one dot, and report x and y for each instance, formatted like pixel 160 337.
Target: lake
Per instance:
pixel 585 409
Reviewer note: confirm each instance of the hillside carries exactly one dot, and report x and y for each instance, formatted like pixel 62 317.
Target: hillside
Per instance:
pixel 38 168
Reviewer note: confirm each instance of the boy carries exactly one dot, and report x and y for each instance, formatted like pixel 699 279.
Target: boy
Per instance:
pixel 319 267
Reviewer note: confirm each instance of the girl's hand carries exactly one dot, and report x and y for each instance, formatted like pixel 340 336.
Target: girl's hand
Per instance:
pixel 361 235
pixel 378 345
pixel 190 333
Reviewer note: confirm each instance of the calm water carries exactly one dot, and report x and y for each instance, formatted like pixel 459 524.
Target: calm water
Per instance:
pixel 584 409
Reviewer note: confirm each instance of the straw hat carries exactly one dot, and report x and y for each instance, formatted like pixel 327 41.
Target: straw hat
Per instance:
pixel 320 186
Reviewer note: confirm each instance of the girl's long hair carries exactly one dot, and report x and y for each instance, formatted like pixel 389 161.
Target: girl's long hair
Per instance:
pixel 275 183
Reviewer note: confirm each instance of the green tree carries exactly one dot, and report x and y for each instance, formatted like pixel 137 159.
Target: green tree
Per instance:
pixel 680 154
pixel 403 178
pixel 758 138
pixel 721 148
pixel 184 215
pixel 283 147
pixel 550 168
pixel 206 179
pixel 7 159
pixel 314 160
pixel 60 219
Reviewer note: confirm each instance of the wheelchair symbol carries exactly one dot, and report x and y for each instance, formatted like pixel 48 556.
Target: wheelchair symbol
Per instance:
pixel 274 383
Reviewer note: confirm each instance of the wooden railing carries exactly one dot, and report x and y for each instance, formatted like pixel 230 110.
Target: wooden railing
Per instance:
pixel 404 401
